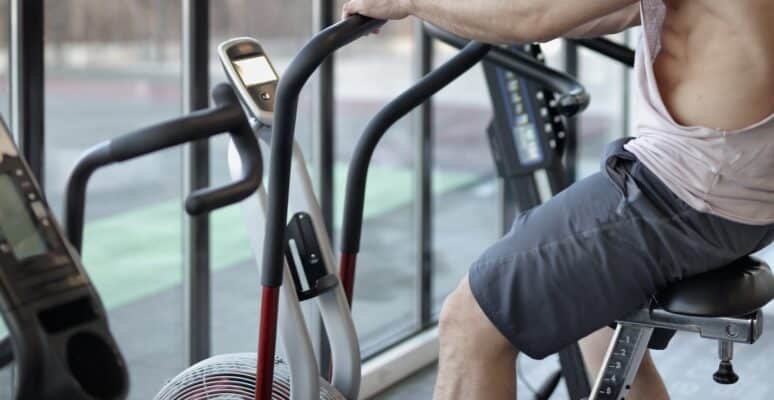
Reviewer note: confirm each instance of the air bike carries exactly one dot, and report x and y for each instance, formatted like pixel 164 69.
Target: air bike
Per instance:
pixel 59 335
pixel 285 222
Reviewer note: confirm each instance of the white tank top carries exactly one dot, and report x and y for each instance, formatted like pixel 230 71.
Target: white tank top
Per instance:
pixel 726 173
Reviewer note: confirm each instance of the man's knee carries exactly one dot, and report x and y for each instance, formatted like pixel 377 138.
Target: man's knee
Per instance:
pixel 458 307
pixel 463 322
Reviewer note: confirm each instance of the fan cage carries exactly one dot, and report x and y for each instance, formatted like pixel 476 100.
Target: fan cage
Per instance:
pixel 232 377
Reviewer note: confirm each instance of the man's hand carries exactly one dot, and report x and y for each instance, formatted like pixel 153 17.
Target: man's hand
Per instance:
pixel 379 9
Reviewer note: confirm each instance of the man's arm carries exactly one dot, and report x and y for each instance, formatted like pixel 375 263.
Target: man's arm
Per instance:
pixel 494 21
pixel 618 21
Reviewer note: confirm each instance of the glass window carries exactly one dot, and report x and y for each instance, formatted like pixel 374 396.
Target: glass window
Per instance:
pixel 605 118
pixel 465 189
pixel 112 67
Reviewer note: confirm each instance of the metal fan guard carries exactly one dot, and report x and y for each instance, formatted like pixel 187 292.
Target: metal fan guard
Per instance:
pixel 232 377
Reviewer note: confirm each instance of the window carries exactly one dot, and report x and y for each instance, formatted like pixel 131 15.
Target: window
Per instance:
pixel 605 119
pixel 112 67
pixel 465 187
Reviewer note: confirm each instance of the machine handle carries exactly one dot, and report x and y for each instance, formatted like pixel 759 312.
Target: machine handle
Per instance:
pixel 573 97
pixel 289 87
pixel 209 199
pixel 430 84
pixel 608 48
pixel 226 116
pixel 316 50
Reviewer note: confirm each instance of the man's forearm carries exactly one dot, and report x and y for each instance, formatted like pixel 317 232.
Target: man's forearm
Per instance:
pixel 512 21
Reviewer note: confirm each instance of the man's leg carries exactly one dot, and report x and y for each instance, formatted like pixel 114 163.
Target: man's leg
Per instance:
pixel 647 385
pixel 476 361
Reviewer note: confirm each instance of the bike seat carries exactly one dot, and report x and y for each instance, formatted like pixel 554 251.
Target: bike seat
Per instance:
pixel 737 289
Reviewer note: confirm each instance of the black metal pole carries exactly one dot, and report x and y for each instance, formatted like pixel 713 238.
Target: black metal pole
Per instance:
pixel 324 142
pixel 196 174
pixel 325 120
pixel 27 82
pixel 572 126
pixel 423 218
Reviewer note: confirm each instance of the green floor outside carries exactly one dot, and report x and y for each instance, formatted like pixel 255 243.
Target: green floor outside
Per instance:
pixel 137 253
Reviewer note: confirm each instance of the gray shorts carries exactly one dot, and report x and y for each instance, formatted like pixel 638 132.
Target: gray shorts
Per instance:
pixel 598 251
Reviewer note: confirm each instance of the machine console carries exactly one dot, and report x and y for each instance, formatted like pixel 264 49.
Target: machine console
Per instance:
pixel 527 131
pixel 58 327
pixel 248 68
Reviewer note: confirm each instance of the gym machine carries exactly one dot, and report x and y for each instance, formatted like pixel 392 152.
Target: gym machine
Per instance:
pixel 59 335
pixel 305 255
pixel 300 252
pixel 58 327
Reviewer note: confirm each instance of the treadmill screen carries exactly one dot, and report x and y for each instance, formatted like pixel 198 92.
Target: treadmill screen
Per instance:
pixel 16 223
pixel 255 70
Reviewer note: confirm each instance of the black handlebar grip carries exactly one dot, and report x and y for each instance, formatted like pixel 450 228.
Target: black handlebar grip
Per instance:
pixel 208 199
pixel 306 61
pixel 419 92
pixel 199 124
pixel 606 47
pixel 226 116
pixel 573 97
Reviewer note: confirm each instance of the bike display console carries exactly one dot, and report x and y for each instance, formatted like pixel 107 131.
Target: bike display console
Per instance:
pixel 61 341
pixel 527 132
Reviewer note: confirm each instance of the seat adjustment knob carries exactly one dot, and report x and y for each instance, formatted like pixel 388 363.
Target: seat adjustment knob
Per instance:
pixel 725 374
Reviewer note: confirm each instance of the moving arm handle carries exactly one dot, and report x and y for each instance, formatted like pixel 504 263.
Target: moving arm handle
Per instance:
pixel 573 97
pixel 606 47
pixel 430 84
pixel 226 116
pixel 297 73
pixel 209 199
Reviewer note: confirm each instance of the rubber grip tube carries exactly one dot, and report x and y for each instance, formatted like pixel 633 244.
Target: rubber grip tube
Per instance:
pixel 425 88
pixel 573 97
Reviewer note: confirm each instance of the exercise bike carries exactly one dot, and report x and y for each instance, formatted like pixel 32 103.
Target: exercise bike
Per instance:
pixel 300 253
pixel 60 339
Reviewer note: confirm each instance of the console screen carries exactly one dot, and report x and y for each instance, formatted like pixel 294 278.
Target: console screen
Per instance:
pixel 16 223
pixel 255 70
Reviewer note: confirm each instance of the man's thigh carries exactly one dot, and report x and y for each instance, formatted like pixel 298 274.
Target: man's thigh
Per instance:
pixel 594 253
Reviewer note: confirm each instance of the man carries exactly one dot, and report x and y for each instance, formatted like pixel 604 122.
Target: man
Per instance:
pixel 693 191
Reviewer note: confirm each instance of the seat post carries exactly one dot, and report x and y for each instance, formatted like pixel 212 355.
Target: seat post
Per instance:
pixel 725 373
pixel 622 361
